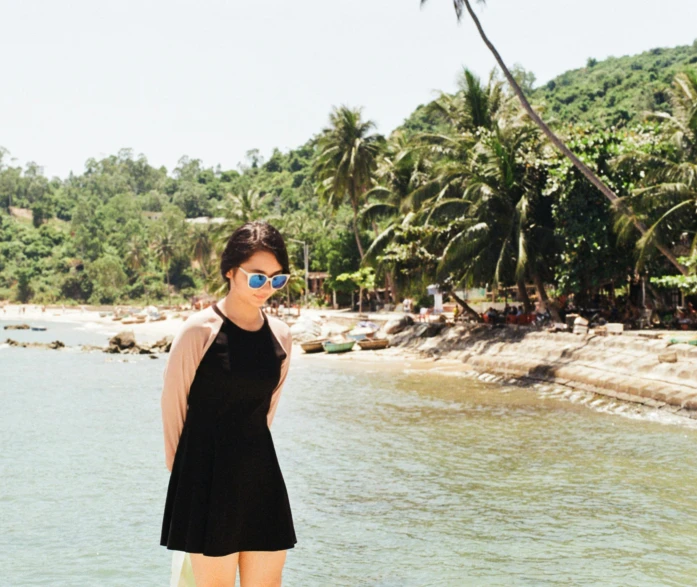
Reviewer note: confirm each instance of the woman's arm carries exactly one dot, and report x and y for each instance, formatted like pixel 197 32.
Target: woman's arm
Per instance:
pixel 184 357
pixel 285 365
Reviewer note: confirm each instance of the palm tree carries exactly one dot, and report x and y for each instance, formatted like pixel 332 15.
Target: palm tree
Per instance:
pixel 346 162
pixel 165 248
pixel 202 247
pixel 667 196
pixel 460 6
pixel 236 209
pixel 505 230
pixel 135 258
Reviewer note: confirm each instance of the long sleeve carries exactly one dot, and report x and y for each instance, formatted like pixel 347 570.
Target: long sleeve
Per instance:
pixel 184 357
pixel 285 365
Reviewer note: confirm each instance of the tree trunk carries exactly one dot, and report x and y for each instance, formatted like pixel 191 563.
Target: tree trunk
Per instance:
pixel 169 295
pixel 465 306
pixel 584 169
pixel 523 295
pixel 360 300
pixel 393 287
pixel 388 284
pixel 355 232
pixel 551 306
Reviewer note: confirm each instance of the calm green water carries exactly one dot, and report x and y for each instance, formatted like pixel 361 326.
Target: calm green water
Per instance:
pixel 395 478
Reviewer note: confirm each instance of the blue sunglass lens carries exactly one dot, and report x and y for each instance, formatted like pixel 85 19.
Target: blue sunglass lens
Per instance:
pixel 279 281
pixel 256 281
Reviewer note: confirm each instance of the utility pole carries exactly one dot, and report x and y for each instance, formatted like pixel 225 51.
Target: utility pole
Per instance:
pixel 306 255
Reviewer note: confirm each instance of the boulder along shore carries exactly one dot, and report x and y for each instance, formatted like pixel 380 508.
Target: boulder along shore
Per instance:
pixel 631 368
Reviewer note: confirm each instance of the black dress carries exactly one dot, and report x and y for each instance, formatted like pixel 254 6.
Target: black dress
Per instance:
pixel 226 492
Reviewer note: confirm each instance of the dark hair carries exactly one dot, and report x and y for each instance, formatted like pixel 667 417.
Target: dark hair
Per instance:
pixel 249 238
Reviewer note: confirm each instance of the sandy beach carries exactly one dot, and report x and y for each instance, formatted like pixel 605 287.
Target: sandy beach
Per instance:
pixel 91 320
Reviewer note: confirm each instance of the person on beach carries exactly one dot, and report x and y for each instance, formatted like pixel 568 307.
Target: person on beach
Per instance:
pixel 227 504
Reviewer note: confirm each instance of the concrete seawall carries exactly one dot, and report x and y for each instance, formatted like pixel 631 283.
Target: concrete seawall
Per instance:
pixel 625 367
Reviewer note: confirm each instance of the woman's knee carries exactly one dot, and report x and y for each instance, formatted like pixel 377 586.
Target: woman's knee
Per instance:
pixel 261 568
pixel 214 571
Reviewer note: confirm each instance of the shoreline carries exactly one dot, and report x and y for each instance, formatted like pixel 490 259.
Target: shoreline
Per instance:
pixel 629 368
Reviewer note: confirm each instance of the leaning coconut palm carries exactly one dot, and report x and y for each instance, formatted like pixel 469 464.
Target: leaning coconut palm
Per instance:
pixel 460 7
pixel 346 162
pixel 667 194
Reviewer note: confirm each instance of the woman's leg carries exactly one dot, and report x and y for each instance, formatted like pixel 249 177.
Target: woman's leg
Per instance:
pixel 261 568
pixel 214 571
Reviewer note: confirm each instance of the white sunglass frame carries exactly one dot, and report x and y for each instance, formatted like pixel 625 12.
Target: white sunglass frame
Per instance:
pixel 266 277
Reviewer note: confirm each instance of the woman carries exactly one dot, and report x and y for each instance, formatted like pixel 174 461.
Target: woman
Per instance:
pixel 227 503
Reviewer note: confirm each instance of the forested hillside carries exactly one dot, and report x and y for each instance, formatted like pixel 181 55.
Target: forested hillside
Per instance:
pixel 466 193
pixel 617 90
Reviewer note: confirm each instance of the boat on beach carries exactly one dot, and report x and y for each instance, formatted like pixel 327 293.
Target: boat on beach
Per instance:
pixel 139 320
pixel 313 346
pixel 338 347
pixel 39 328
pixel 373 344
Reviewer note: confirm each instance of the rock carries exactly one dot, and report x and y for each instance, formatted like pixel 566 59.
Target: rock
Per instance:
pixel 163 345
pixel 55 345
pixel 395 326
pixel 306 328
pixel 668 357
pixel 123 340
pixel 92 347
pixel 429 330
pixel 17 327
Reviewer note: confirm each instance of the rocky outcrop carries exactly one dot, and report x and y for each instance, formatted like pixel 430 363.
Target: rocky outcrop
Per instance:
pixel 625 367
pixel 56 344
pixel 399 324
pixel 122 343
pixel 17 327
pixel 125 343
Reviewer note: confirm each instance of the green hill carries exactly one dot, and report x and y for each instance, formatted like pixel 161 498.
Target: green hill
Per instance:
pixel 617 90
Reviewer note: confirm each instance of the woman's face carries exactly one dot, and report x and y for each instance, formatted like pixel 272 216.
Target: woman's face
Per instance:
pixel 260 262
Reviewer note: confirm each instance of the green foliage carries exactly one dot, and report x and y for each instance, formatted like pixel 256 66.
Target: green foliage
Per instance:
pixel 467 192
pixel 686 283
pixel 617 90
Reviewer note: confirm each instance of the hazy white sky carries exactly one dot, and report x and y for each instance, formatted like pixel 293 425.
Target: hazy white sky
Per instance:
pixel 213 78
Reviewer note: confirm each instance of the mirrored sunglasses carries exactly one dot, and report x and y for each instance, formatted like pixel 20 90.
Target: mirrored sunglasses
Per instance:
pixel 258 280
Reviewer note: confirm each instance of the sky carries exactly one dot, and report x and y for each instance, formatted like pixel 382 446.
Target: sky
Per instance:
pixel 213 79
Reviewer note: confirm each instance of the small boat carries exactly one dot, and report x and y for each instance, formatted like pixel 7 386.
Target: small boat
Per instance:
pixel 313 346
pixel 134 321
pixel 115 318
pixel 338 347
pixel 361 333
pixel 39 328
pixel 373 344
pixel 158 318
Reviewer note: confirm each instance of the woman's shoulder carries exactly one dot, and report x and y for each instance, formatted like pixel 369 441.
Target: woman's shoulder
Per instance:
pixel 280 329
pixel 199 324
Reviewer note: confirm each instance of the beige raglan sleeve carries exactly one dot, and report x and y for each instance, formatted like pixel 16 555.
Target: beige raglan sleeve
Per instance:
pixel 184 357
pixel 285 365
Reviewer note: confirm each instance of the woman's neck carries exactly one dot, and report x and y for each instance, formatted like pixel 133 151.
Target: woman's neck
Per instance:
pixel 242 313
